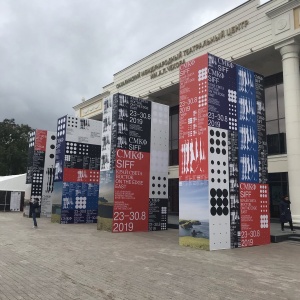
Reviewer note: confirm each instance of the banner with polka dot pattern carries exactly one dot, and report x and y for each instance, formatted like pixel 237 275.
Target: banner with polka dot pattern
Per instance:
pixel 233 144
pixel 48 176
pixel 41 150
pixel 134 165
pixel 77 168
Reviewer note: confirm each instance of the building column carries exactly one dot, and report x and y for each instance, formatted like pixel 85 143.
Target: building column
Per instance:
pixel 291 82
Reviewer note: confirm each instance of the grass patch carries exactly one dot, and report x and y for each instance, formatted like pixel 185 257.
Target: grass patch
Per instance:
pixel 55 218
pixel 104 224
pixel 197 243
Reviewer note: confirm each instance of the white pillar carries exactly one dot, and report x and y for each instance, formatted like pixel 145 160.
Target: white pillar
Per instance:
pixel 291 82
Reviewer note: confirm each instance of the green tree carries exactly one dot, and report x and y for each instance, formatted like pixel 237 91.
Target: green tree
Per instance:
pixel 13 147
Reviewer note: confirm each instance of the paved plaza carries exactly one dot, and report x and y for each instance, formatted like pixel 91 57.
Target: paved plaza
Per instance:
pixel 78 262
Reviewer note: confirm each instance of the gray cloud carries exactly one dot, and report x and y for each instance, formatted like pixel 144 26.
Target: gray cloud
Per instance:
pixel 52 53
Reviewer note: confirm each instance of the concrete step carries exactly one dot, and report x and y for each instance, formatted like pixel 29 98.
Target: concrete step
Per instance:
pixel 283 237
pixel 294 237
pixel 173 226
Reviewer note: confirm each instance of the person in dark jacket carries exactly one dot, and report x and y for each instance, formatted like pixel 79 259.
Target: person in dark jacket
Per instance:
pixel 33 206
pixel 285 213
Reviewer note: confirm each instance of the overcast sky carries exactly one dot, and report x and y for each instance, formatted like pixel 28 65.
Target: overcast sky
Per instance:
pixel 53 53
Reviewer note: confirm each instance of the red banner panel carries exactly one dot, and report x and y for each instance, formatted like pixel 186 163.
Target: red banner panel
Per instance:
pixel 40 140
pixel 254 211
pixel 193 109
pixel 81 175
pixel 131 196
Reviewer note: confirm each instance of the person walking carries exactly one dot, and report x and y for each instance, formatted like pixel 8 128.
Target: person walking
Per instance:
pixel 285 213
pixel 33 207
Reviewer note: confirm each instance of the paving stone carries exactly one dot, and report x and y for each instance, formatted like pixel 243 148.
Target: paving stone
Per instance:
pixel 77 262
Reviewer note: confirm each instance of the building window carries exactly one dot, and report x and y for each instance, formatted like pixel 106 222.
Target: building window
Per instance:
pixel 278 184
pixel 275 114
pixel 173 137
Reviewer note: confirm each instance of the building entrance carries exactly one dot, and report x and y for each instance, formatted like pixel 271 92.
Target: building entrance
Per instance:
pixel 278 183
pixel 173 204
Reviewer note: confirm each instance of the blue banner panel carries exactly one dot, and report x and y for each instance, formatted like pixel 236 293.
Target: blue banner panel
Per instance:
pixel 79 202
pixel 91 216
pixel 221 88
pixel 67 216
pixel 92 196
pixel 79 216
pixel 247 124
pixel 261 128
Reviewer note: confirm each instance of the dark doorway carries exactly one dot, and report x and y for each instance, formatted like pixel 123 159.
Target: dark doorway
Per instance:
pixel 173 204
pixel 278 183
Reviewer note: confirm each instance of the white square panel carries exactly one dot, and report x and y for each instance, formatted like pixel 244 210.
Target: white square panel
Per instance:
pixel 219 219
pixel 159 151
pixel 48 177
pixel 82 130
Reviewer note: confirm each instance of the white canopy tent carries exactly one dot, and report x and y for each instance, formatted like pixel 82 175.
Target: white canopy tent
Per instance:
pixel 12 190
pixel 14 183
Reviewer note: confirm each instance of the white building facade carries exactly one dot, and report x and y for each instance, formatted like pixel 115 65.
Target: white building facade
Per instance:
pixel 264 38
